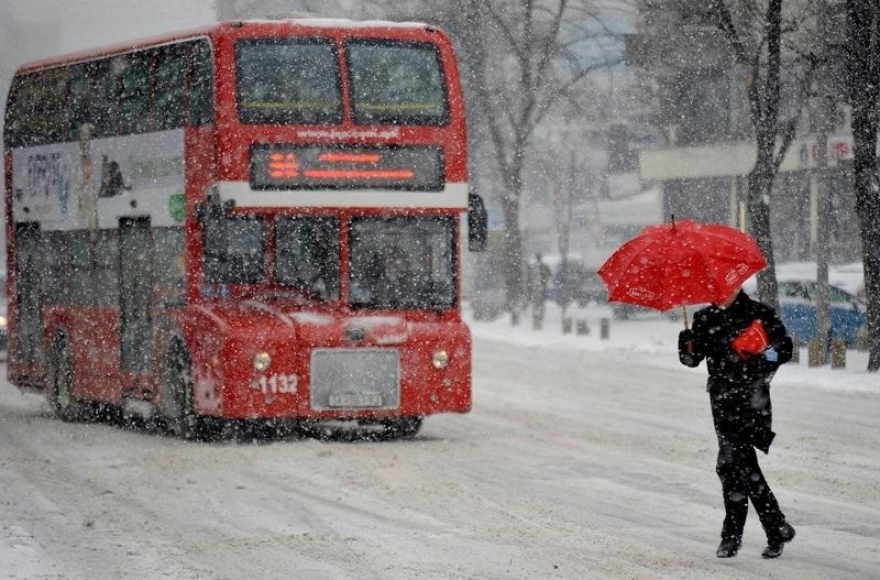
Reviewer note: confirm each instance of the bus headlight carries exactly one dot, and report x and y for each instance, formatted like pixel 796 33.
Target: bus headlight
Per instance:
pixel 262 360
pixel 440 359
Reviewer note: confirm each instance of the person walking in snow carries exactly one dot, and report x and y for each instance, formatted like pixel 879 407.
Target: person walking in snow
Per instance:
pixel 743 342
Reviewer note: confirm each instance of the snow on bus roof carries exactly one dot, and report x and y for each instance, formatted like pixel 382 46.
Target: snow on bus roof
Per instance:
pixel 319 21
pixel 207 30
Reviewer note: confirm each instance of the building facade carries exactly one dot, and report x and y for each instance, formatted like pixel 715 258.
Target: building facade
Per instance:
pixel 701 107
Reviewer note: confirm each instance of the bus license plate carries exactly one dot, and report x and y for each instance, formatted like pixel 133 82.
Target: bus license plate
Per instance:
pixel 356 400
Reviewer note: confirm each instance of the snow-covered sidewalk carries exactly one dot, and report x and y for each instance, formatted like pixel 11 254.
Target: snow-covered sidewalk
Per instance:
pixel 653 337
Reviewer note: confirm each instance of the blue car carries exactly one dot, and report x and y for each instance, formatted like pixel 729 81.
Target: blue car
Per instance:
pixel 797 308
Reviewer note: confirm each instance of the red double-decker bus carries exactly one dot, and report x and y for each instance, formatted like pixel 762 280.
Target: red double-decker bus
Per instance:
pixel 254 220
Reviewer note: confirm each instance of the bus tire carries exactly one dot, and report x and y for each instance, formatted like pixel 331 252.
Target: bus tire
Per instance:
pixel 65 405
pixel 402 428
pixel 181 419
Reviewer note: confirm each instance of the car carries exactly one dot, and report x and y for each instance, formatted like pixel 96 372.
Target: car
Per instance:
pixel 797 309
pixel 573 282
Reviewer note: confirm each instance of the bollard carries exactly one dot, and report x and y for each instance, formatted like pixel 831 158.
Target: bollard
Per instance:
pixel 566 325
pixel 604 328
pixel 816 355
pixel 795 351
pixel 838 353
pixel 582 327
pixel 863 343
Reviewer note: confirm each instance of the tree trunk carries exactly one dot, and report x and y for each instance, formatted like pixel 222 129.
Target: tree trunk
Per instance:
pixel 868 210
pixel 513 251
pixel 760 185
pixel 863 63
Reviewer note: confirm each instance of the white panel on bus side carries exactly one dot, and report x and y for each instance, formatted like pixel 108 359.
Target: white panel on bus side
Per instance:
pixel 132 176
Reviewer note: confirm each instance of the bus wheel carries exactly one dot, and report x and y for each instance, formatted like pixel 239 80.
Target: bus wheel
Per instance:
pixel 64 404
pixel 403 428
pixel 177 408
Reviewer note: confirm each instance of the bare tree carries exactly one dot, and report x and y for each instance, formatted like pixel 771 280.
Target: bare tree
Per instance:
pixel 863 77
pixel 755 37
pixel 522 64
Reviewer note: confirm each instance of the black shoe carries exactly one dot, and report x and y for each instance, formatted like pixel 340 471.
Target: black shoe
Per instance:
pixel 774 546
pixel 728 548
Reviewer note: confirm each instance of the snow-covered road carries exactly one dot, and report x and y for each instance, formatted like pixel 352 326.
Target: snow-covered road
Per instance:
pixel 573 464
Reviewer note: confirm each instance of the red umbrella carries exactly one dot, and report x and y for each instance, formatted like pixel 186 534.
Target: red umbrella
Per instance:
pixel 681 263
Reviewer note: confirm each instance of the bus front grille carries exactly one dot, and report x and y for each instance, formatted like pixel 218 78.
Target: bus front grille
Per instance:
pixel 366 378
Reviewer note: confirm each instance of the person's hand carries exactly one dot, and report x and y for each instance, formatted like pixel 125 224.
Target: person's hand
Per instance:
pixel 686 340
pixel 687 349
pixel 760 364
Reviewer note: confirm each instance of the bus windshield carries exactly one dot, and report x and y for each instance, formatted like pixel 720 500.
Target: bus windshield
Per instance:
pixel 395 263
pixel 235 250
pixel 405 262
pixel 396 82
pixel 307 255
pixel 288 81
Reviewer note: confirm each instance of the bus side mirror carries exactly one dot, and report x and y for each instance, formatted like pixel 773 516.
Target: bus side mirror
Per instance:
pixel 478 223
pixel 212 214
pixel 213 210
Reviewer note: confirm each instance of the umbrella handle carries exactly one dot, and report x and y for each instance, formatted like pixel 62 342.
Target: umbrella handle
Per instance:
pixel 685 317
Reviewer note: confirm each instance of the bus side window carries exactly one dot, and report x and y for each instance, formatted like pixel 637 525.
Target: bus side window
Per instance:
pixel 51 121
pixel 78 112
pixel 201 84
pixel 56 283
pixel 106 103
pixel 169 88
pixel 135 94
pixel 38 107
pixel 169 264
pixel 81 291
pixel 106 268
pixel 14 125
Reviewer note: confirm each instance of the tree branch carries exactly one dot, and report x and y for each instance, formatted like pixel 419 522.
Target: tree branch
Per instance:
pixel 549 44
pixel 789 131
pixel 725 23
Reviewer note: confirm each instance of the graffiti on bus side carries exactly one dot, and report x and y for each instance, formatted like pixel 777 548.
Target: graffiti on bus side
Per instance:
pixel 47 175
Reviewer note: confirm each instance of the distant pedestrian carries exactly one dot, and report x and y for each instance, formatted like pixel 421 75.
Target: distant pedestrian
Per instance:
pixel 743 342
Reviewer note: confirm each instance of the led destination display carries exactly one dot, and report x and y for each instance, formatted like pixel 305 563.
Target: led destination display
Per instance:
pixel 321 167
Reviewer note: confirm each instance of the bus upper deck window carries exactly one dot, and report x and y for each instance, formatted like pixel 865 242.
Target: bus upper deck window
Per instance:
pixel 288 81
pixel 396 82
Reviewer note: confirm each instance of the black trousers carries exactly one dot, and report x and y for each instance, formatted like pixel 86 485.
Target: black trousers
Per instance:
pixel 742 481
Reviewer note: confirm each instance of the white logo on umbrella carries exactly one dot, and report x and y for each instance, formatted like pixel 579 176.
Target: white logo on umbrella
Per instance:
pixel 640 293
pixel 738 271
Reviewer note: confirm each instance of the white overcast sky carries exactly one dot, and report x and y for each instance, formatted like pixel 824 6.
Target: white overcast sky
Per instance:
pixel 90 23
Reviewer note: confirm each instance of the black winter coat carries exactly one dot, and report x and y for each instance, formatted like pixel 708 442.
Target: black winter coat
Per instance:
pixel 739 388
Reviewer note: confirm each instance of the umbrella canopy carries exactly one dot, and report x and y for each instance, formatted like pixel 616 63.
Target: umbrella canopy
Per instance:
pixel 681 263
